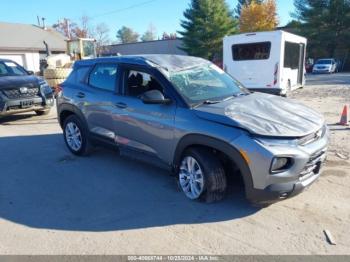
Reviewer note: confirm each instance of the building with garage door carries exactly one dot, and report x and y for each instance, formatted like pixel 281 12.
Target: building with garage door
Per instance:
pixel 24 43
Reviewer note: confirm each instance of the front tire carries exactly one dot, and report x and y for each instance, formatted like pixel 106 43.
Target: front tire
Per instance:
pixel 202 176
pixel 76 136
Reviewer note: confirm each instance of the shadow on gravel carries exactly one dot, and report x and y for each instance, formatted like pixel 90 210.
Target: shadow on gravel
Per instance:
pixel 18 117
pixel 44 186
pixel 26 119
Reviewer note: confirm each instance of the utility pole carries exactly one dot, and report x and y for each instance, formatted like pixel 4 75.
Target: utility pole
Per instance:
pixel 68 28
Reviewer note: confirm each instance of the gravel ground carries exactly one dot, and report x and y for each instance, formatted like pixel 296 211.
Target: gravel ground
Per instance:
pixel 54 203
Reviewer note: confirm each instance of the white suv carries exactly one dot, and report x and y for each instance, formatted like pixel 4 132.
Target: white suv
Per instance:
pixel 325 66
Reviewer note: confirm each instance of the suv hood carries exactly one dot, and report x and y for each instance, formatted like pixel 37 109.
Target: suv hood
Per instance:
pixel 265 115
pixel 19 81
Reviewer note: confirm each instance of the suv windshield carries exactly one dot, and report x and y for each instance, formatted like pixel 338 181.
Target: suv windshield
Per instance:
pixel 8 68
pixel 205 84
pixel 324 62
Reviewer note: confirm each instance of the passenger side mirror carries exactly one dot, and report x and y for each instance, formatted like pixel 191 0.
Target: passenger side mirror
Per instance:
pixel 30 72
pixel 154 97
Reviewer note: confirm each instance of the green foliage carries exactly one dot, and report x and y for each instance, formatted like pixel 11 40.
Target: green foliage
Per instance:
pixel 257 17
pixel 326 24
pixel 127 35
pixel 206 23
pixel 242 3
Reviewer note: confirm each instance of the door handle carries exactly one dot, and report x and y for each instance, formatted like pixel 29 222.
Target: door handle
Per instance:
pixel 81 95
pixel 121 105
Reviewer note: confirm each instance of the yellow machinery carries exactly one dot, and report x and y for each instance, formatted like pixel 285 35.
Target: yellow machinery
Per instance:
pixel 81 48
pixel 58 67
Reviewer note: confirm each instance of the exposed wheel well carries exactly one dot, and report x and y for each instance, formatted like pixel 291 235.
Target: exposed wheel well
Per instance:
pixel 63 116
pixel 232 171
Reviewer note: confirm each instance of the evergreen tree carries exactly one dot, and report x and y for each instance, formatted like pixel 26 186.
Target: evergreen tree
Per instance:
pixel 206 23
pixel 326 25
pixel 127 35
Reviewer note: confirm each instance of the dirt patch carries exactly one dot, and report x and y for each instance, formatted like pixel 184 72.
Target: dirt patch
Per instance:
pixel 334 172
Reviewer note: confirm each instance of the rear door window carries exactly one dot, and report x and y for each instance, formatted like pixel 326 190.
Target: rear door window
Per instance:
pixel 104 76
pixel 251 51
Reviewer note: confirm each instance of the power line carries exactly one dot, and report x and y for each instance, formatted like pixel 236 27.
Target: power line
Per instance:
pixel 123 9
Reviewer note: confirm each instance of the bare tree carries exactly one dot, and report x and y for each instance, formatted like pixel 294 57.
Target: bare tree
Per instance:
pixel 101 34
pixel 85 29
pixel 150 34
pixel 65 26
pixel 71 29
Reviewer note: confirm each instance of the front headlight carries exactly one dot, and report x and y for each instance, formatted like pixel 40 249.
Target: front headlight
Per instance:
pixel 280 164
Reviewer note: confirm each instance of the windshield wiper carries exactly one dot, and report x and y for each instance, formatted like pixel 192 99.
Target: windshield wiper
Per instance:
pixel 210 102
pixel 241 94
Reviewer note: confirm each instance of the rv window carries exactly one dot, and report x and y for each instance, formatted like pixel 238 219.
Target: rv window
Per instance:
pixel 253 51
pixel 291 55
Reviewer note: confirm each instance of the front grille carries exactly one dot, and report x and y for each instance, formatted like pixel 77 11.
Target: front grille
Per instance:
pixel 313 137
pixel 313 166
pixel 16 93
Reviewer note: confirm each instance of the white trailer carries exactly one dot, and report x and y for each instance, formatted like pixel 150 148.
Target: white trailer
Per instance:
pixel 271 62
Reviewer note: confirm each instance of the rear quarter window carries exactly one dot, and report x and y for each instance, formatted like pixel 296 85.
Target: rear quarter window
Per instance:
pixel 104 76
pixel 79 75
pixel 251 51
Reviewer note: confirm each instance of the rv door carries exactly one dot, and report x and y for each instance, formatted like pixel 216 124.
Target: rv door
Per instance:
pixel 293 67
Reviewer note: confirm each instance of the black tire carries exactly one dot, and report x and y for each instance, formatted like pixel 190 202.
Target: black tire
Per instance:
pixel 86 147
pixel 42 112
pixel 215 182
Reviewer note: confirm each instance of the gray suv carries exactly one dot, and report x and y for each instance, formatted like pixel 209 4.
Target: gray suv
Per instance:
pixel 186 115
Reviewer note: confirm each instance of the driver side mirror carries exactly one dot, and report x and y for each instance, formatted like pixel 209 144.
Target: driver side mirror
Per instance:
pixel 154 97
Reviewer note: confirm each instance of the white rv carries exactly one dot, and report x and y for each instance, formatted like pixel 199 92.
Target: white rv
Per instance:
pixel 271 62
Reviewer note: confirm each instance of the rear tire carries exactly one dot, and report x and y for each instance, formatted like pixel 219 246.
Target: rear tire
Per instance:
pixel 213 176
pixel 76 136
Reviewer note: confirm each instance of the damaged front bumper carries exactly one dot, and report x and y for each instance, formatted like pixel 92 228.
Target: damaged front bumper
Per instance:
pixel 304 169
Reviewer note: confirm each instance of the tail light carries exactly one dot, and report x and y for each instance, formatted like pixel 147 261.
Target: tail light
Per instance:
pixel 57 89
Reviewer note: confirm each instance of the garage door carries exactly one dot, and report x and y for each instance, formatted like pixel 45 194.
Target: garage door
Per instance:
pixel 19 59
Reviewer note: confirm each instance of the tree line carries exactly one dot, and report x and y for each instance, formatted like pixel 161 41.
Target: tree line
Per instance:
pixel 325 23
pixel 101 32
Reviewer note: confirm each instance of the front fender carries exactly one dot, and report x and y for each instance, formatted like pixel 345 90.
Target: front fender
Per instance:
pixel 229 150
